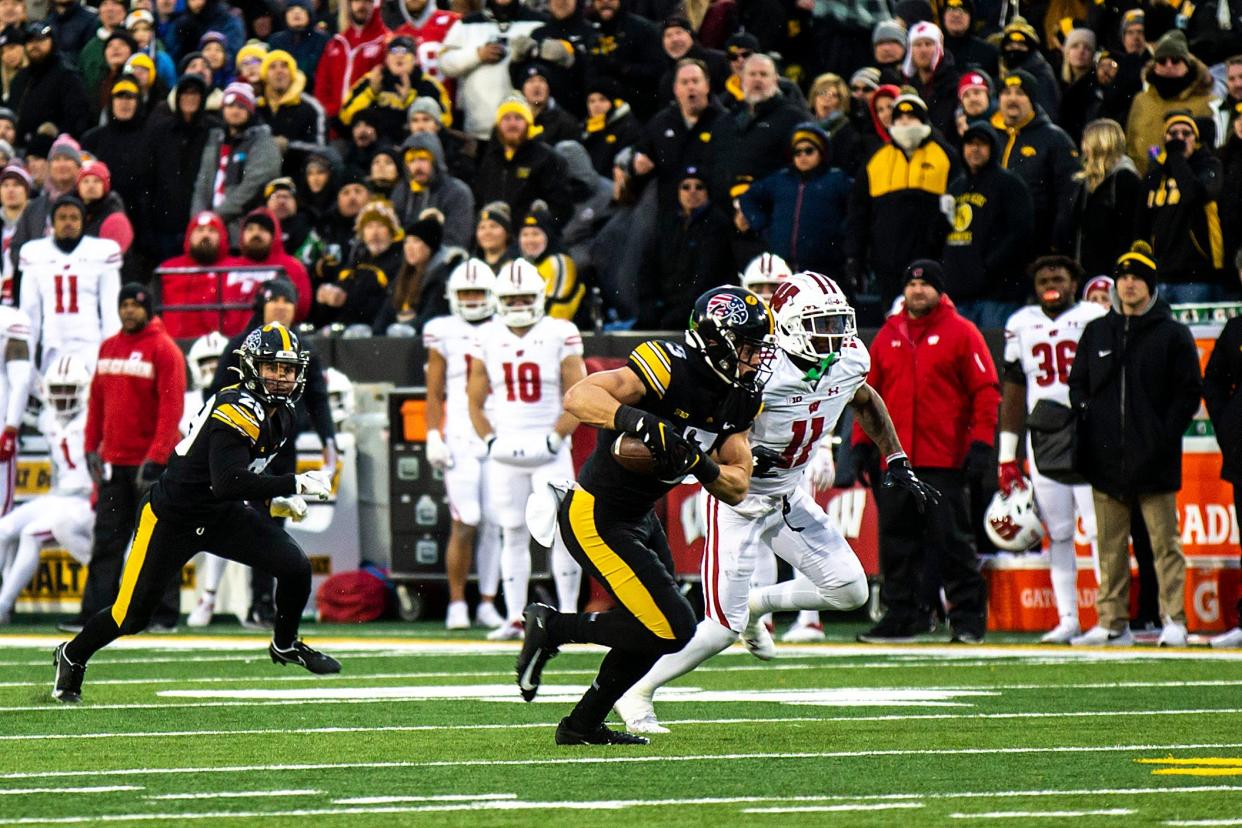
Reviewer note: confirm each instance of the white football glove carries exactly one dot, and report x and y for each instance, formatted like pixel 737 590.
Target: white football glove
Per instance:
pixel 821 472
pixel 517 451
pixel 288 507
pixel 316 484
pixel 438 453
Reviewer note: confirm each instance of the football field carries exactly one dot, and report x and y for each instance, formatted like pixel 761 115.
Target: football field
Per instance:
pixel 425 728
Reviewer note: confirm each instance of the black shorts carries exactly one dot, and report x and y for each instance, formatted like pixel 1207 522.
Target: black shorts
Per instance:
pixel 631 559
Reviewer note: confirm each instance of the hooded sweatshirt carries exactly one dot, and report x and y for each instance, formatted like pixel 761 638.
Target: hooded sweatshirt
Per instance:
pixel 349 55
pixel 195 289
pixel 445 193
pixel 241 286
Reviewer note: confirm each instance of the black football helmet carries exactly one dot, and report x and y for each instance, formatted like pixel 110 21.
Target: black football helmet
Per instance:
pixel 277 344
pixel 732 329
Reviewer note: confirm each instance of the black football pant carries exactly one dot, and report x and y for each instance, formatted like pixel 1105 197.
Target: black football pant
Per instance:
pixel 116 515
pixel 261 582
pixel 938 540
pixel 161 546
pixel 652 618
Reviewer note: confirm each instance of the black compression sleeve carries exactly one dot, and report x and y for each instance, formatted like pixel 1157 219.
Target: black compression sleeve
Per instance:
pixel 231 477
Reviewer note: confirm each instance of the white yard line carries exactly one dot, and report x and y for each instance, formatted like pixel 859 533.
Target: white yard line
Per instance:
pixel 1205 822
pixel 310 731
pixel 617 760
pixel 819 809
pixel 237 794
pixel 91 790
pixel 1044 814
pixel 392 800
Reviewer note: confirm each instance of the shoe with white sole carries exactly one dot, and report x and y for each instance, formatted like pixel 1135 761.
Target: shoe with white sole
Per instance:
pixel 1172 635
pixel 485 615
pixel 636 710
pixel 1099 636
pixel 758 639
pixel 509 631
pixel 801 633
pixel 1067 629
pixel 202 614
pixel 458 616
pixel 1227 640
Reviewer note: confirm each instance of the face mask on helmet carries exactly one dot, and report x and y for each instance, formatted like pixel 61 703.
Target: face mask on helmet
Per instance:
pixel 472 304
pixel 204 357
pixel 273 364
pixel 520 310
pixel 65 387
pixel 732 329
pixel 471 291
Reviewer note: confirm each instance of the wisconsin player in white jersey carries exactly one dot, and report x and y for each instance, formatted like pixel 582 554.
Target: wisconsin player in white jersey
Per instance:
pixel 69 286
pixel 64 514
pixel 1040 343
pixel 15 381
pixel 525 361
pixel 453 446
pixel 822 367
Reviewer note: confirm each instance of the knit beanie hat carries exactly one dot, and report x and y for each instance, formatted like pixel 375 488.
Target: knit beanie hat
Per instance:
pixel 241 94
pixel 974 80
pixel 926 269
pixel 1097 283
pixel 1137 262
pixel 427 105
pixel 868 76
pixel 1080 36
pixel 380 209
pixel 429 228
pixel 1024 80
pixel 499 212
pixel 98 169
pixel 278 288
pixel 540 217
pixel 1133 17
pixel 65 147
pixel 140 293
pixel 1173 45
pixel 888 30
pixel 910 105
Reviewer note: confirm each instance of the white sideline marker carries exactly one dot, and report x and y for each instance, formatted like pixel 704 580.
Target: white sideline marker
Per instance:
pixel 1044 814
pixel 236 794
pixel 90 790
pixel 810 809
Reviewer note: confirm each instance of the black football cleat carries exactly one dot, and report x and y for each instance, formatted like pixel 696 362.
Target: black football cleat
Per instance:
pixel 304 656
pixel 537 649
pixel 68 686
pixel 600 735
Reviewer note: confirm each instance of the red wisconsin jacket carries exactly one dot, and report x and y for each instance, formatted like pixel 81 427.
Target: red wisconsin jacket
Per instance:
pixel 137 397
pixel 937 377
pixel 197 289
pixel 348 56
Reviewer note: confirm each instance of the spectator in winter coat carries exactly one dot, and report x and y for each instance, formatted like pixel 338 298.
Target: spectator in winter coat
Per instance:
pixel 562 45
pixel 1135 385
pixel 936 374
pixel 301 39
pixel 931 71
pixel 199 18
pixel 476 53
pixel 692 251
pixel 172 172
pixel 53 91
pixel 517 169
pixel 627 52
pixel 538 244
pixel 990 228
pixel 285 106
pixel 90 60
pixel 427 24
pixel 262 243
pixel 591 194
pixel 1020 51
pixel 888 49
pixel 238 159
pixel 73 25
pixel 1179 217
pixel 460 150
pixel 610 127
pixel 336 226
pixel 555 123
pixel 1230 199
pixel 678 40
pixel 355 293
pixel 429 185
pixel 1038 152
pixel 1176 80
pixel 1222 382
pixel 206 246
pixel 738 49
pixel 830 106
pixel 493 236
pixel 969 51
pixel 894 214
pixel 1101 222
pixel 356 48
pixel 105 211
pixel 122 144
pixel 1081 91
pixel 390 88
pixel 297 231
pixel 141 25
pixel 418 290
pixel 799 211
pixel 12 77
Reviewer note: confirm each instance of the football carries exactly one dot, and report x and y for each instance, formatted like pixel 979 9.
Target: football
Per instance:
pixel 632 455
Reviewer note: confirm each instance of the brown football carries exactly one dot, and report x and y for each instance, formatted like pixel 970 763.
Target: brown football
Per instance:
pixel 632 455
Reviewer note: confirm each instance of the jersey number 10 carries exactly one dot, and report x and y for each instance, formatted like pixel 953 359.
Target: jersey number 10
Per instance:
pixel 523 383
pixel 60 293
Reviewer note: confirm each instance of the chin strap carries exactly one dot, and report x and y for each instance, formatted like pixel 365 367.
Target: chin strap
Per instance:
pixel 816 372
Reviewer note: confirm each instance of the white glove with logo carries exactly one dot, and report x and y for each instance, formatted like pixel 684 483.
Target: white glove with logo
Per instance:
pixel 821 471
pixel 520 451
pixel 289 507
pixel 438 453
pixel 316 484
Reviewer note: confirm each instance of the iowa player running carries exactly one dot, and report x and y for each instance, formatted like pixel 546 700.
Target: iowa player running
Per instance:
pixel 692 407
pixel 197 504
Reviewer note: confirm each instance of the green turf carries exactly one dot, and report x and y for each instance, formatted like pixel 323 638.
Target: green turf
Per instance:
pixel 919 761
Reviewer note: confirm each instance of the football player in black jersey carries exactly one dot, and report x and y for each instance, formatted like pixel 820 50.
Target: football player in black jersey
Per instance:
pixel 197 504
pixel 692 406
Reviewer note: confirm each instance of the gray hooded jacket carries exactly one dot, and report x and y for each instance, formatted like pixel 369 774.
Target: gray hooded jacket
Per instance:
pixel 592 202
pixel 445 193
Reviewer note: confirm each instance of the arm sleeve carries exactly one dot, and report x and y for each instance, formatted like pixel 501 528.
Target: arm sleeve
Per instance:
pixel 858 222
pixel 170 380
pixel 360 97
pixel 18 372
pixel 456 58
pixel 1219 381
pixel 32 305
pixel 94 418
pixel 1080 372
pixel 316 397
pixel 756 204
pixel 109 289
pixel 1187 383
pixel 982 385
pixel 231 478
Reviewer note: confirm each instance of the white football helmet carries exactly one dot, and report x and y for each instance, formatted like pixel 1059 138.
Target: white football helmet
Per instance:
pixel 1012 523
pixel 204 356
pixel 813 317
pixel 340 395
pixel 472 274
pixel 519 294
pixel 764 274
pixel 65 386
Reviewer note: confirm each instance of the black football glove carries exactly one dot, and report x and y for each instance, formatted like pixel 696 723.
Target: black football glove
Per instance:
pixel 978 464
pixel 899 475
pixel 766 461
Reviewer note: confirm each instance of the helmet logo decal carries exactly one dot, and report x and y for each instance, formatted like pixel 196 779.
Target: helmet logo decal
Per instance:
pixel 727 308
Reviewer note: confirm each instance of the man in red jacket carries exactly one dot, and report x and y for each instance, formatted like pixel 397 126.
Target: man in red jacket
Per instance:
pixel 935 372
pixel 132 423
pixel 261 244
pixel 206 245
pixel 350 54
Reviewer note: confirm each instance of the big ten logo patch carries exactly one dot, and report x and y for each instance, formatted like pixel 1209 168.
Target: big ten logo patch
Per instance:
pixel 60 576
pixel 34 477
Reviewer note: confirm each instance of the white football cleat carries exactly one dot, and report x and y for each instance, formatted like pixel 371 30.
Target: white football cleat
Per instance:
pixel 202 614
pixel 636 710
pixel 759 641
pixel 509 631
pixel 1067 629
pixel 1099 636
pixel 1227 640
pixel 458 617
pixel 801 633
pixel 485 615
pixel 1172 634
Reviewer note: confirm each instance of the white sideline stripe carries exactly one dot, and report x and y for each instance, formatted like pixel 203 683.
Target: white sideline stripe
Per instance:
pixel 392 800
pixel 93 789
pixel 236 794
pixel 1204 822
pixel 808 809
pixel 611 760
pixel 1044 814
pixel 311 731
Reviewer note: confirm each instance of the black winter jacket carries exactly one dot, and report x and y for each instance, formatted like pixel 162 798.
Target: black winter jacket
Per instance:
pixel 673 146
pixel 124 147
pixel 691 255
pixel 1100 225
pixel 986 246
pixel 1135 385
pixel 534 171
pixel 55 93
pixel 750 145
pixel 171 172
pixel 1222 380
pixel 1179 216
